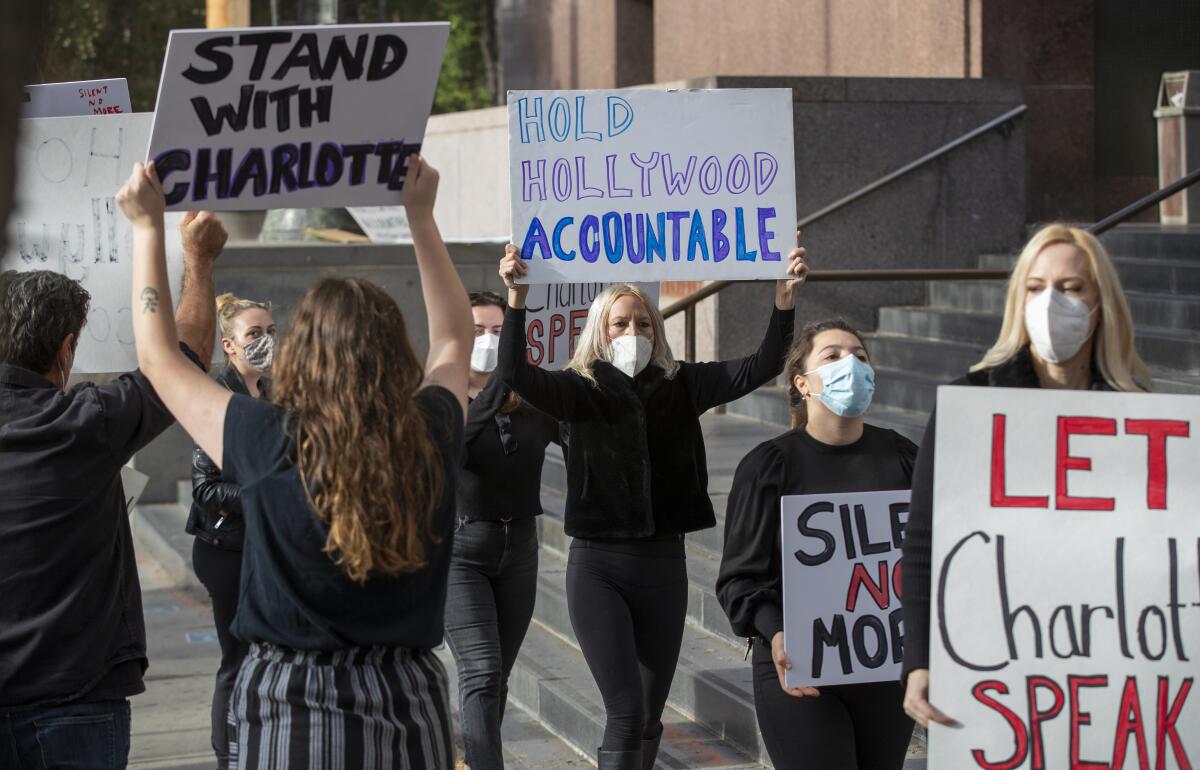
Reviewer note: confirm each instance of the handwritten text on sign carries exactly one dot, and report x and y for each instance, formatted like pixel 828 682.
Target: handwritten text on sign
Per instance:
pixel 67 221
pixel 841 587
pixel 642 185
pixel 293 116
pixel 80 97
pixel 556 314
pixel 1066 588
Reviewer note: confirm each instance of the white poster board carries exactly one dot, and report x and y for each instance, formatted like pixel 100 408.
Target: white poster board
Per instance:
pixel 1065 627
pixel 842 619
pixel 555 316
pixel 293 117
pixel 383 224
pixel 67 220
pixel 645 185
pixel 134 483
pixel 81 97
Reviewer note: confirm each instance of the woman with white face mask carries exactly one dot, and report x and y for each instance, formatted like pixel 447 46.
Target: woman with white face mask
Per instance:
pixel 830 449
pixel 636 481
pixel 493 564
pixel 1066 325
pixel 248 339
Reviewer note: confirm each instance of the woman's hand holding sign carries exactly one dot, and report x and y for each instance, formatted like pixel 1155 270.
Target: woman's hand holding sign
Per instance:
pixel 513 267
pixel 785 289
pixel 916 701
pixel 783 665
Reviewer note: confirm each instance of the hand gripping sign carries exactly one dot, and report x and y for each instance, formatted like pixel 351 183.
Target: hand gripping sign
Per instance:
pixel 1065 627
pixel 645 185
pixel 293 116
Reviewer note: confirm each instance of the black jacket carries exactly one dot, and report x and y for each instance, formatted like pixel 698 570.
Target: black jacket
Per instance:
pixel 636 466
pixel 1016 372
pixel 211 494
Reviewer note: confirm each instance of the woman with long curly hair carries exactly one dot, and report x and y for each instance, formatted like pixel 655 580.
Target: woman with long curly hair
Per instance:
pixel 347 492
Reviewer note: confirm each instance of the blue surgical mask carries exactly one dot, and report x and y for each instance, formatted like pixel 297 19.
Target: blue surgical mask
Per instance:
pixel 848 384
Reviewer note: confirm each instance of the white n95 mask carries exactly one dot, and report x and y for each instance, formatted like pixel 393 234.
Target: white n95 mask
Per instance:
pixel 631 353
pixel 1057 325
pixel 483 355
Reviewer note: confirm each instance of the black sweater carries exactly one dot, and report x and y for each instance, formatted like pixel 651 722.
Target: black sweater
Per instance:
pixel 636 466
pixel 502 466
pixel 749 584
pixel 1016 372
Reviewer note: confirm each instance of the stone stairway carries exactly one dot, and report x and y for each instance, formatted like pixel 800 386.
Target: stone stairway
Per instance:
pixel 915 349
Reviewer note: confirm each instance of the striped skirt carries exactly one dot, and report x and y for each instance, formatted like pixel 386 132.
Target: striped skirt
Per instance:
pixel 362 708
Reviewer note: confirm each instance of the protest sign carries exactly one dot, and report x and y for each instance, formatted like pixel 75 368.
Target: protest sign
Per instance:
pixel 134 483
pixel 841 587
pixel 555 316
pixel 80 97
pixel 1065 629
pixel 293 116
pixel 67 220
pixel 645 185
pixel 383 224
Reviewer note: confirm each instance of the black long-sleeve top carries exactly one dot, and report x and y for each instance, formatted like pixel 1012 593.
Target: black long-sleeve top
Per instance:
pixel 750 580
pixel 1017 372
pixel 636 466
pixel 502 466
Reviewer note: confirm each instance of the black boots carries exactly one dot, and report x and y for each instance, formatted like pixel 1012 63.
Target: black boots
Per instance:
pixel 650 751
pixel 620 760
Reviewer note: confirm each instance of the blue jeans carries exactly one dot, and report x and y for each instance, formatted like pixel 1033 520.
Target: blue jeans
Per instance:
pixel 493 584
pixel 77 736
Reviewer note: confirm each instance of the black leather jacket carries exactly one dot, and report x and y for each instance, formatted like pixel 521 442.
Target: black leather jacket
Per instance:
pixel 211 495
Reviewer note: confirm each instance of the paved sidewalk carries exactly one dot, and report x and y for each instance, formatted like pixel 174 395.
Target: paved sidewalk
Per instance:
pixel 171 719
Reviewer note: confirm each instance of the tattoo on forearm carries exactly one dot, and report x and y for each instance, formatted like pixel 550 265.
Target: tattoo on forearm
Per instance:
pixel 149 300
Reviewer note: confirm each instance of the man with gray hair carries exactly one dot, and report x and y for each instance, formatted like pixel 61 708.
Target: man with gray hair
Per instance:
pixel 72 636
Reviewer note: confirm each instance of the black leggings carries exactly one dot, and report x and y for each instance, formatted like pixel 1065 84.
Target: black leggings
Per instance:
pixel 627 601
pixel 220 571
pixel 848 727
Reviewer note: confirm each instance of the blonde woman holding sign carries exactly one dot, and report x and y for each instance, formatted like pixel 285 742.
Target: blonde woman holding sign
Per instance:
pixel 636 481
pixel 830 449
pixel 347 486
pixel 1066 326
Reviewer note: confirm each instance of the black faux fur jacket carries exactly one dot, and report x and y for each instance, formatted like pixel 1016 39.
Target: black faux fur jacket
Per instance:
pixel 636 466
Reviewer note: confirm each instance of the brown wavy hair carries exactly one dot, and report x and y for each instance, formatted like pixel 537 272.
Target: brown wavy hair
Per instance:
pixel 802 348
pixel 348 376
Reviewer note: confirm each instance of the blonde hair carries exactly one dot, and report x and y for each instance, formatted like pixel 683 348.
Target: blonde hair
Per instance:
pixel 228 306
pixel 1113 351
pixel 593 344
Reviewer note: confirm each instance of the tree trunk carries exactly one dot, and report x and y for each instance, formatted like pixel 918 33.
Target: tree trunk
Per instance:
pixel 487 47
pixel 22 25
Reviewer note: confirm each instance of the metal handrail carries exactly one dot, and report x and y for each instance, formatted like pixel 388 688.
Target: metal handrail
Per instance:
pixel 687 305
pixel 1140 205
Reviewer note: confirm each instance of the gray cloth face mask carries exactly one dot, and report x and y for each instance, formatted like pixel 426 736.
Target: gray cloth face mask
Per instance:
pixel 260 353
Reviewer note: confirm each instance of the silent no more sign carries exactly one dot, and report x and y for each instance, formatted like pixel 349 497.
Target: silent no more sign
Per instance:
pixel 645 185
pixel 841 587
pixel 293 116
pixel 67 220
pixel 1066 592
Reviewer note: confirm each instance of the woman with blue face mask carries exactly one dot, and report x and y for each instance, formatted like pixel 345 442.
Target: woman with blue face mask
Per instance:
pixel 830 449
pixel 1067 326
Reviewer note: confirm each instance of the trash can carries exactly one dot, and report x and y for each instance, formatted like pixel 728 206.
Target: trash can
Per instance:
pixel 1178 116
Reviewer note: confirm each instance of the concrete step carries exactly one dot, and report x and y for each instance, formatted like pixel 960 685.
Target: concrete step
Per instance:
pixel 158 531
pixel 1162 276
pixel 1149 309
pixel 1154 241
